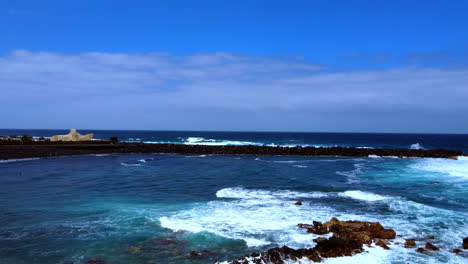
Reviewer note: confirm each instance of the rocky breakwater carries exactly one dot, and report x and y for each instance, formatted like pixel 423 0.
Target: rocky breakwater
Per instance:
pixel 26 149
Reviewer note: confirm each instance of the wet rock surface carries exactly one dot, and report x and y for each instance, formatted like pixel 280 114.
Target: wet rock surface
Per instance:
pixel 430 246
pixel 410 243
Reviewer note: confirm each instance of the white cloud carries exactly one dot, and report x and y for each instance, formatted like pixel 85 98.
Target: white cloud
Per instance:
pixel 207 88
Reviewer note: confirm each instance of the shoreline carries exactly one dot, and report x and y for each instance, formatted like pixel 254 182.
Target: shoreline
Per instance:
pixel 14 150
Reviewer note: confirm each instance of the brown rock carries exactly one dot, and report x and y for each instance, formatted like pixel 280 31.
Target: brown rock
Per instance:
pixel 431 247
pixel 382 243
pixel 421 250
pixel 456 251
pixel 410 243
pixel 397 243
pixel 465 243
pixel 430 237
pixel 298 203
pixel 316 240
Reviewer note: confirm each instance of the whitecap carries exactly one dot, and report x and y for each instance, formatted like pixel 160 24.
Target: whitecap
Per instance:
pixel 364 196
pixel 130 164
pixel 457 168
pixel 416 146
pixel 299 166
pixel 241 193
pixel 258 217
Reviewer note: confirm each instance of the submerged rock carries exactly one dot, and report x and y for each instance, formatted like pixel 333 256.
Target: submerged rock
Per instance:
pixel 96 261
pixel 431 247
pixel 298 203
pixel 456 251
pixel 421 250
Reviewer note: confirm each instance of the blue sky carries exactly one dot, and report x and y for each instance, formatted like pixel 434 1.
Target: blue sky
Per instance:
pixel 358 66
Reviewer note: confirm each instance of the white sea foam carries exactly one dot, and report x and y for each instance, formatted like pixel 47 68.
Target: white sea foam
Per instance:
pixel 17 160
pixel 262 217
pixel 374 156
pixel 364 196
pixel 241 193
pixel 214 142
pixel 373 256
pixel 130 164
pixel 300 166
pixel 416 146
pixel 352 175
pixel 457 168
pixel 259 217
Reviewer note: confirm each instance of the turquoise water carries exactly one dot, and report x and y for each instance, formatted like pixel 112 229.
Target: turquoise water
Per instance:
pixel 157 208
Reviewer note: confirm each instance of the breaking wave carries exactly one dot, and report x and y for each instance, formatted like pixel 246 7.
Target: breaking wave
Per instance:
pixel 456 168
pixel 364 196
pixel 416 146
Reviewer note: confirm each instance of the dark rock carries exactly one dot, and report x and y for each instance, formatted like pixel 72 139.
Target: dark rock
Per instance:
pixel 14 149
pixel 298 203
pixel 279 255
pixel 194 254
pixel 465 243
pixel 456 251
pixel 410 243
pixel 431 247
pixel 96 261
pixel 430 237
pixel 337 247
pixel 421 250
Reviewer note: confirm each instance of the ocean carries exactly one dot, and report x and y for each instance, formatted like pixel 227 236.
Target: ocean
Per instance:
pixel 157 208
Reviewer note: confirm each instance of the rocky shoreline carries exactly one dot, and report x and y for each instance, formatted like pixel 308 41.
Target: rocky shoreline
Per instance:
pixel 337 239
pixel 41 149
pixel 348 239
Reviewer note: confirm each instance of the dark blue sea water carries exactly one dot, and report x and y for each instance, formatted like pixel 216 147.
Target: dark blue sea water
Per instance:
pixel 157 208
